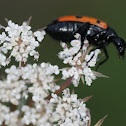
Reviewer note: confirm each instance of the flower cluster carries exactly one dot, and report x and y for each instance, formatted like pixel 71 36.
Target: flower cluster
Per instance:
pixel 80 62
pixel 67 110
pixel 18 80
pixel 34 79
pixel 20 41
pixel 71 110
pixel 29 93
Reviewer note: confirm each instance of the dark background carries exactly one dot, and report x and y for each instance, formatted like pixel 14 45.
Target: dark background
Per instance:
pixel 109 95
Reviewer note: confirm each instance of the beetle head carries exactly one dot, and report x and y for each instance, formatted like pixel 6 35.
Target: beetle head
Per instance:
pixel 120 45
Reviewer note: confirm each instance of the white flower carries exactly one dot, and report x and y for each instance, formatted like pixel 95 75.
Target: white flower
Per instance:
pixel 39 35
pixel 3 59
pixel 8 117
pixel 12 29
pixel 11 92
pixel 75 43
pixel 2 37
pixel 79 60
pixel 21 41
pixel 25 28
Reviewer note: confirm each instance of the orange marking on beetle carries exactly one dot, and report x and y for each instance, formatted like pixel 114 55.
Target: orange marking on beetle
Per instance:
pixel 84 19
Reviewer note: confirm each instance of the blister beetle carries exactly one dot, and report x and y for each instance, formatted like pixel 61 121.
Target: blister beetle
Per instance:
pixel 97 32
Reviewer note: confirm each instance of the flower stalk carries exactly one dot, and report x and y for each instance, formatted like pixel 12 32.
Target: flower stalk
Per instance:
pixel 62 87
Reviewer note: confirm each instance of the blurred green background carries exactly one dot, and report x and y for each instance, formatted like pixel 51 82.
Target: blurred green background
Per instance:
pixel 109 95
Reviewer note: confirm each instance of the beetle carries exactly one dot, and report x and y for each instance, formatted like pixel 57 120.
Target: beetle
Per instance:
pixel 97 32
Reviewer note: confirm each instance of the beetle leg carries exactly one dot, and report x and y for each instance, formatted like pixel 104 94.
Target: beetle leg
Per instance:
pixel 90 58
pixel 101 46
pixel 106 54
pixel 82 31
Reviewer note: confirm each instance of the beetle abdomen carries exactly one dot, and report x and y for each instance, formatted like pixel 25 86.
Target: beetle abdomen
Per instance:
pixel 63 31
